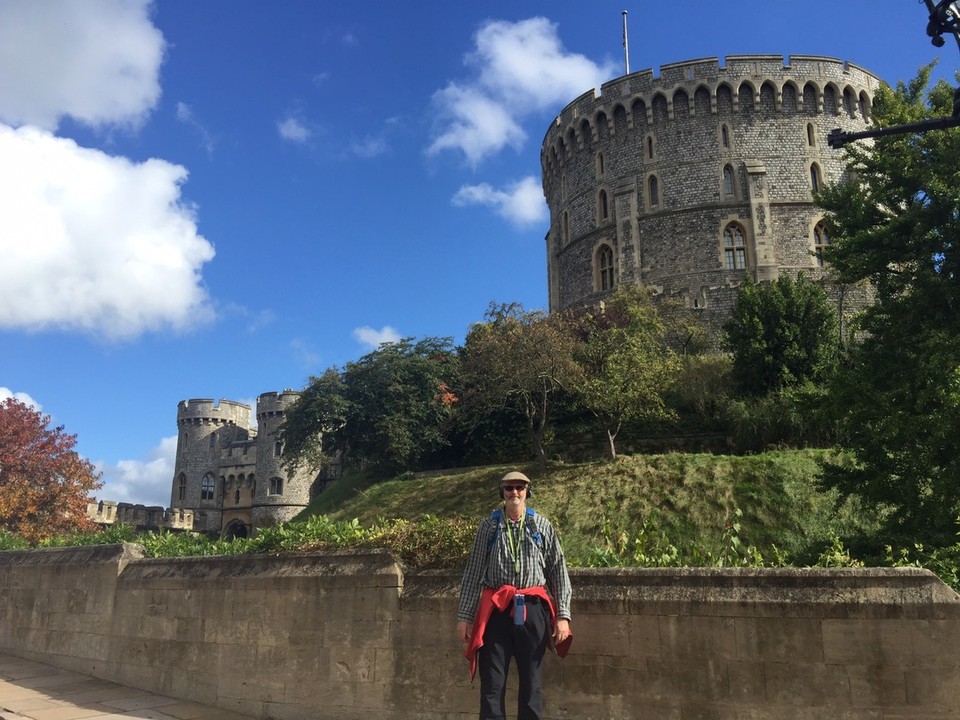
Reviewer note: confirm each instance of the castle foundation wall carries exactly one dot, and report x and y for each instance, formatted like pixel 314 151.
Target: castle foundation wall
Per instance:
pixel 348 635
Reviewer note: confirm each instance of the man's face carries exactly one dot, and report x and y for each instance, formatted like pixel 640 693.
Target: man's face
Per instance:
pixel 514 496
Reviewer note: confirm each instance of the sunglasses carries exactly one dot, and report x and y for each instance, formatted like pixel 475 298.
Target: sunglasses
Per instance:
pixel 514 488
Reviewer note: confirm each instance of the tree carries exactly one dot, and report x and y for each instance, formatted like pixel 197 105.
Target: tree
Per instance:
pixel 682 329
pixel 388 409
pixel 518 360
pixel 311 423
pixel 44 483
pixel 626 365
pixel 781 334
pixel 896 224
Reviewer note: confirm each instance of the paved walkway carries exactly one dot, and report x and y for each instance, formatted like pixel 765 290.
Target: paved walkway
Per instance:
pixel 34 691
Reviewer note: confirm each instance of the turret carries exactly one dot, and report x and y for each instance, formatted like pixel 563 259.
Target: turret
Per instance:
pixel 279 495
pixel 205 427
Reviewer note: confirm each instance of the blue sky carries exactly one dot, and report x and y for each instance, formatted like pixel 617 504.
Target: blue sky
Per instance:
pixel 220 198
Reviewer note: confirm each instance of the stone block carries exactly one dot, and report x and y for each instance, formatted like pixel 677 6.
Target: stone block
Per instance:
pixel 691 636
pixel 897 641
pixel 747 682
pixel 932 687
pixel 877 686
pixel 806 684
pixel 779 639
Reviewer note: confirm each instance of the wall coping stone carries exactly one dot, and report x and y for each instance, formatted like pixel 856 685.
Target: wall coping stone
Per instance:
pixel 881 593
pixel 122 554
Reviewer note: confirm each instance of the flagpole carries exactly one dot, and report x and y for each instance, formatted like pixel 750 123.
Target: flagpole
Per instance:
pixel 626 46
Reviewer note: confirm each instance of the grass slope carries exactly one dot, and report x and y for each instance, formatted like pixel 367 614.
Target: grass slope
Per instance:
pixel 685 498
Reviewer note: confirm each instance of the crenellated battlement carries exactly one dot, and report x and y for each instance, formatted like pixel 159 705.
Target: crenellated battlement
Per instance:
pixel 207 410
pixel 141 517
pixel 801 84
pixel 272 404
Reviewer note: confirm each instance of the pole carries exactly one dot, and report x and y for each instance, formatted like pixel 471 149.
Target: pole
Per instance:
pixel 836 139
pixel 626 46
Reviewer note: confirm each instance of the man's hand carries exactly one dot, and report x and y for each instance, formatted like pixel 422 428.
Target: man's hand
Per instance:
pixel 463 631
pixel 562 631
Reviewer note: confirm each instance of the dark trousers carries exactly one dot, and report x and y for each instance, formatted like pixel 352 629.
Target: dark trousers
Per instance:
pixel 502 641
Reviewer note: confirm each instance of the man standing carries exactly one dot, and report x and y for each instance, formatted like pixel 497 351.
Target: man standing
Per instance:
pixel 514 601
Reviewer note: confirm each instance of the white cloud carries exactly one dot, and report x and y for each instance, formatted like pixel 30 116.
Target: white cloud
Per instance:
pixel 371 338
pixel 521 202
pixel 293 130
pixel 520 68
pixel 147 481
pixel 369 147
pixel 478 125
pixel 305 356
pixel 97 61
pixel 186 116
pixel 94 242
pixel 20 397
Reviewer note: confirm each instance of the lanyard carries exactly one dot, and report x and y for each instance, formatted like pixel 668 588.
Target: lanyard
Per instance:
pixel 515 546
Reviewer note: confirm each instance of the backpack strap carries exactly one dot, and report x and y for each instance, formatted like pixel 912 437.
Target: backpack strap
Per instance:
pixel 535 535
pixel 532 528
pixel 495 517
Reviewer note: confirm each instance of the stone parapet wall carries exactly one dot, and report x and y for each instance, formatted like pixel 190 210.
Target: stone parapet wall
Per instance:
pixel 349 635
pixel 141 517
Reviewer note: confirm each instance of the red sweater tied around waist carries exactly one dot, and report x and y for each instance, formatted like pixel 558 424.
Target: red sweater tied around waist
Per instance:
pixel 502 599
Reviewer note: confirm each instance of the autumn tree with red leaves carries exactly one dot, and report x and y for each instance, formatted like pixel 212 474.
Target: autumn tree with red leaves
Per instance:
pixel 44 483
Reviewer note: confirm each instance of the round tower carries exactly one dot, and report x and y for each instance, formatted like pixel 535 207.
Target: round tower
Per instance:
pixel 278 495
pixel 204 428
pixel 689 181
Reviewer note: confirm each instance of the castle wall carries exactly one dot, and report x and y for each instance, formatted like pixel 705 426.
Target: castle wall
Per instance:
pixel 250 489
pixel 348 635
pixel 760 119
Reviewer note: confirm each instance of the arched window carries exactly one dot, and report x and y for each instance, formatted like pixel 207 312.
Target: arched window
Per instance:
pixel 734 248
pixel 725 136
pixel 821 241
pixel 654 188
pixel 277 449
pixel 276 486
pixel 213 440
pixel 600 167
pixel 207 487
pixel 605 276
pixel 603 211
pixel 649 147
pixel 728 184
pixel 811 138
pixel 182 487
pixel 815 178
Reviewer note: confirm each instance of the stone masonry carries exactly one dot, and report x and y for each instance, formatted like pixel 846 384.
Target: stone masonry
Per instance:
pixel 689 181
pixel 350 636
pixel 228 474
